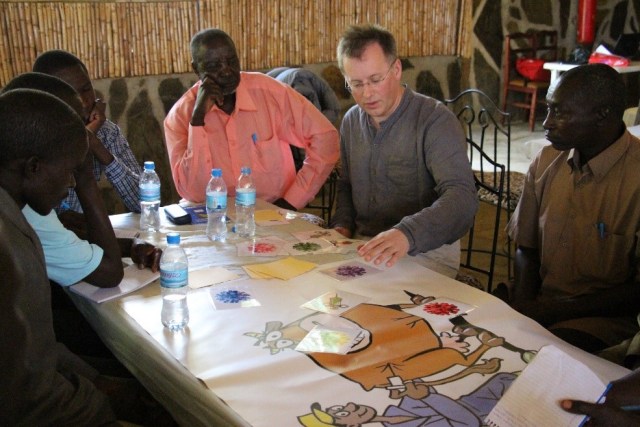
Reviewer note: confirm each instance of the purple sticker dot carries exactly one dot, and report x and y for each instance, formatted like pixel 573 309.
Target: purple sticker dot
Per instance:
pixel 351 271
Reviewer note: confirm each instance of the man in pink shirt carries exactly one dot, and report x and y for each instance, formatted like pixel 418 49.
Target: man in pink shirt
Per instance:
pixel 230 119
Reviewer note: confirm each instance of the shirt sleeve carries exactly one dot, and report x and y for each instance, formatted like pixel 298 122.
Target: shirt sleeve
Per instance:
pixel 523 225
pixel 124 171
pixel 68 258
pixel 309 129
pixel 451 215
pixel 187 150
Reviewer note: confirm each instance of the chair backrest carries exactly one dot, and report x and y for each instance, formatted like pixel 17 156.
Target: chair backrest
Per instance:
pixel 532 44
pixel 485 127
pixel 546 43
pixel 516 45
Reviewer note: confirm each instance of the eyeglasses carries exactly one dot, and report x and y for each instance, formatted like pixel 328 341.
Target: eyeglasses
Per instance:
pixel 357 87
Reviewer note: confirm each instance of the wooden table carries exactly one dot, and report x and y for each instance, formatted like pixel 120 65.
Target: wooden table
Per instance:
pixel 239 367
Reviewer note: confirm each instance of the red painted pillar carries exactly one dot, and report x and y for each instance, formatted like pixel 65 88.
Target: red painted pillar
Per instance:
pixel 586 21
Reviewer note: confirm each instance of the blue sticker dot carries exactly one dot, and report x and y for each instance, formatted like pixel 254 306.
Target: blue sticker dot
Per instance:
pixel 232 296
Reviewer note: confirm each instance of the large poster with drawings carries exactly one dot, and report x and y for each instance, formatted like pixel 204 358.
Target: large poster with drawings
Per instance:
pixel 397 347
pixel 401 353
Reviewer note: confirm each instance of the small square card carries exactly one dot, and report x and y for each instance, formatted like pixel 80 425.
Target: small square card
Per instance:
pixel 345 246
pixel 266 217
pixel 307 247
pixel 267 246
pixel 283 269
pixel 322 339
pixel 210 276
pixel 351 270
pixel 317 234
pixel 438 312
pixel 335 302
pixel 229 297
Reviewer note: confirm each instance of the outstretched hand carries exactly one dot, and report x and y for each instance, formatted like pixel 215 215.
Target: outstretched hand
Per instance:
pixel 623 396
pixel 388 246
pixel 602 414
pixel 145 255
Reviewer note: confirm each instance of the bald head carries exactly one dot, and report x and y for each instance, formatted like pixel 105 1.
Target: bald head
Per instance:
pixel 208 37
pixel 585 110
pixel 594 86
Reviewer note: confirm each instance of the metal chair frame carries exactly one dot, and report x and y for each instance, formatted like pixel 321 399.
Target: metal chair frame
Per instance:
pixel 482 120
pixel 327 197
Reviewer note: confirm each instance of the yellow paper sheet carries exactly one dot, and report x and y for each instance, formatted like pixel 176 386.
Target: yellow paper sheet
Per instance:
pixel 254 275
pixel 265 215
pixel 284 269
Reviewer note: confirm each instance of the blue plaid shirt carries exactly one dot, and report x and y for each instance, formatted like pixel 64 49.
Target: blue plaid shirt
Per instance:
pixel 123 172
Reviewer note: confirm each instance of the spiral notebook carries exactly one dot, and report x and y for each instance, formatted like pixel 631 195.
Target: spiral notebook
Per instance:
pixel 534 397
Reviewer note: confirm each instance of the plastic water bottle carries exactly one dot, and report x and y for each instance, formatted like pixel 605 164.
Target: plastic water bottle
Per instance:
pixel 174 278
pixel 149 198
pixel 245 204
pixel 217 207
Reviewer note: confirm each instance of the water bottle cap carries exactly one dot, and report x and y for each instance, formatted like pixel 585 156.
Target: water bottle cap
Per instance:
pixel 173 238
pixel 246 170
pixel 216 173
pixel 149 166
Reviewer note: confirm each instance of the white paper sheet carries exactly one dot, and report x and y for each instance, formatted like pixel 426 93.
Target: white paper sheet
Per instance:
pixel 133 280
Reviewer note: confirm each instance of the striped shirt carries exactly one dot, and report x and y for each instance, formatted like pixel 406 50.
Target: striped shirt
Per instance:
pixel 123 172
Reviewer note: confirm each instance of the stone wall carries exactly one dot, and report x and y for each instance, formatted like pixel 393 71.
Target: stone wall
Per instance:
pixel 493 19
pixel 139 105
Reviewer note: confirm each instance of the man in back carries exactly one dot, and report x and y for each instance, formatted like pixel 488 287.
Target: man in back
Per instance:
pixel 406 179
pixel 231 119
pixel 110 149
pixel 577 224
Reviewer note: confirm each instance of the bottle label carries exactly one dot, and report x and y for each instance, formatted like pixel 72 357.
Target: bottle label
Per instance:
pixel 149 193
pixel 246 197
pixel 173 278
pixel 217 200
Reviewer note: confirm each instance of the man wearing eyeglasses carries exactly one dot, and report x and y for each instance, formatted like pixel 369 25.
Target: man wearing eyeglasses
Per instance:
pixel 406 179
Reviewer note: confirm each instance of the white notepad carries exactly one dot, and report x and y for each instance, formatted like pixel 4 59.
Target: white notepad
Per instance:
pixel 133 280
pixel 533 399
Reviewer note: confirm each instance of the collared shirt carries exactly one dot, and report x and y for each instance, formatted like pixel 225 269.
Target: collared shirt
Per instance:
pixel 412 174
pixel 583 219
pixel 268 117
pixel 123 172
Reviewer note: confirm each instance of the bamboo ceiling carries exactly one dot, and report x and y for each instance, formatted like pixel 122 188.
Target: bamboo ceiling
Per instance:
pixel 137 38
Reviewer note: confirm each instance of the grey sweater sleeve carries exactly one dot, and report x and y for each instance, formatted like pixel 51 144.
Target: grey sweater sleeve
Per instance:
pixel 451 215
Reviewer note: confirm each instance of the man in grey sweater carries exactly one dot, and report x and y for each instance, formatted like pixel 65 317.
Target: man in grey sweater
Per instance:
pixel 405 178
